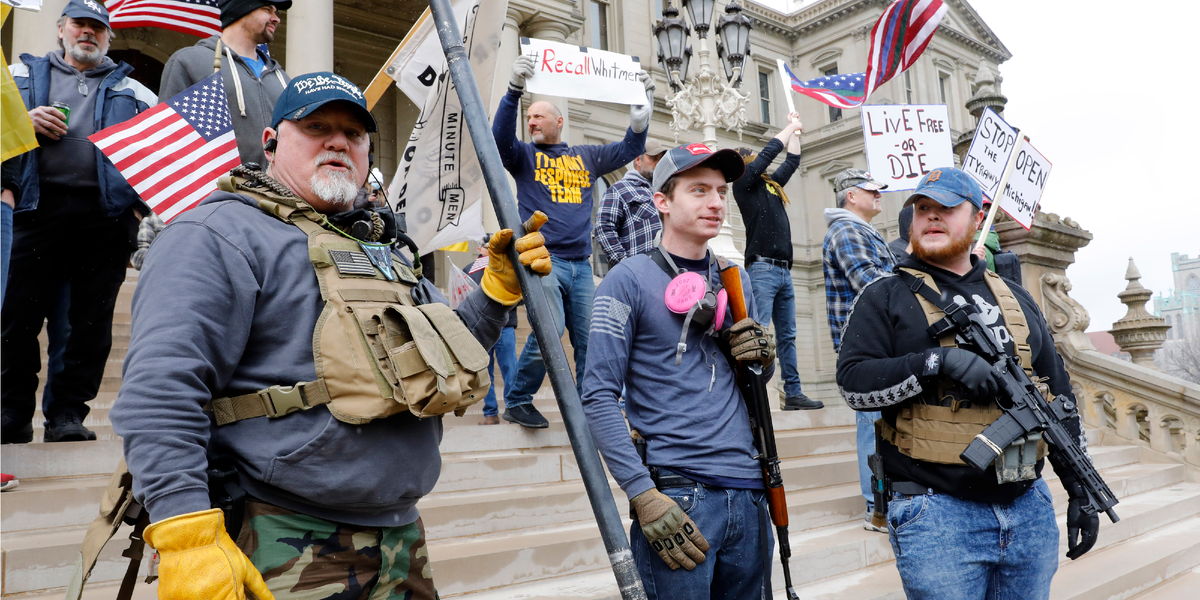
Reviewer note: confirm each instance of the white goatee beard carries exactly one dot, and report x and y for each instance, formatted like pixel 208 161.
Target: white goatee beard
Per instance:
pixel 84 56
pixel 335 187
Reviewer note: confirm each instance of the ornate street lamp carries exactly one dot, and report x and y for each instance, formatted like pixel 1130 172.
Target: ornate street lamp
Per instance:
pixel 706 101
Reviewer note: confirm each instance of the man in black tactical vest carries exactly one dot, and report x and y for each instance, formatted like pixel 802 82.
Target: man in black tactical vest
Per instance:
pixel 276 331
pixel 958 532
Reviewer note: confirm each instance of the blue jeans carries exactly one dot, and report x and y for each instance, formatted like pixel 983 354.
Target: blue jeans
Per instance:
pixel 737 565
pixel 6 233
pixel 954 549
pixel 775 299
pixel 866 447
pixel 570 290
pixel 505 353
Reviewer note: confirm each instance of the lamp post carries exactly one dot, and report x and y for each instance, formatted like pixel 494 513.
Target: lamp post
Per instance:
pixel 706 101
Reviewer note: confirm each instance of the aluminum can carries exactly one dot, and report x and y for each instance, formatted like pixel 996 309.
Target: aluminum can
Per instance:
pixel 65 109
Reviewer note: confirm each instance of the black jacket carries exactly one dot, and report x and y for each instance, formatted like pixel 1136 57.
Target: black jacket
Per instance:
pixel 882 359
pixel 768 232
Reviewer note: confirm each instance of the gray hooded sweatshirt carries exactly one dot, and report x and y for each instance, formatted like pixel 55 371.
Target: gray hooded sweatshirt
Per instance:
pixel 71 160
pixel 226 304
pixel 251 98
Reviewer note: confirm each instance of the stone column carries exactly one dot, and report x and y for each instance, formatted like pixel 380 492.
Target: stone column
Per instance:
pixel 510 49
pixel 309 37
pixel 35 32
pixel 1139 333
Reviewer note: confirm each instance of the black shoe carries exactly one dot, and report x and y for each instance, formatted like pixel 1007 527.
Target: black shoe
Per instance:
pixel 67 428
pixel 526 415
pixel 802 402
pixel 16 434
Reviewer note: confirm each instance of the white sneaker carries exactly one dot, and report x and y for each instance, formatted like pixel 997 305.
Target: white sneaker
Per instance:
pixel 870 527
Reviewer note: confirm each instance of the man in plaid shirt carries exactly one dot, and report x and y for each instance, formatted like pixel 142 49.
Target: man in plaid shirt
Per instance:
pixel 854 254
pixel 627 222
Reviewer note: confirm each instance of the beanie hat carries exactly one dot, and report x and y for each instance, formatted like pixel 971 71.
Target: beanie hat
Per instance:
pixel 232 10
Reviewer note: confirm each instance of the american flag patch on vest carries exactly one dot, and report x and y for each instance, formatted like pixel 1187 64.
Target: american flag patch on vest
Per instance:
pixel 352 263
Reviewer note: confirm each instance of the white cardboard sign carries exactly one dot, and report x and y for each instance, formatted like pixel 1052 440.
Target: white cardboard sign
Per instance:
pixel 904 142
pixel 990 148
pixel 582 72
pixel 1025 185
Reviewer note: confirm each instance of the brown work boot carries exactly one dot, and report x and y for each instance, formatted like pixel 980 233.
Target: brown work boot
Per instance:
pixel 492 420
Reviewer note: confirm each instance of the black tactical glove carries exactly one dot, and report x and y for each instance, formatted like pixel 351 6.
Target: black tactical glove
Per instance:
pixel 965 367
pixel 1082 528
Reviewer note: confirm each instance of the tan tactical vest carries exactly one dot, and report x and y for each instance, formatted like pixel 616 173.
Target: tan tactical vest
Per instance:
pixel 939 434
pixel 376 353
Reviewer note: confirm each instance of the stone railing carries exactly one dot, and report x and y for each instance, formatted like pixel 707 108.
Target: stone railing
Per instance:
pixel 1134 402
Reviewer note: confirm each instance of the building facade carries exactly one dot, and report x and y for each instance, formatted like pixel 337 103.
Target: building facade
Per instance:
pixel 817 37
pixel 1181 306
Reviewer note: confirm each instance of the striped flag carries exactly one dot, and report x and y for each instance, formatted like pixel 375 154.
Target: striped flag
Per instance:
pixel 173 153
pixel 194 17
pixel 897 40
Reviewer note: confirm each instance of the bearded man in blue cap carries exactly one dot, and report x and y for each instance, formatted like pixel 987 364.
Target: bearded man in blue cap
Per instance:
pixel 284 366
pixel 957 532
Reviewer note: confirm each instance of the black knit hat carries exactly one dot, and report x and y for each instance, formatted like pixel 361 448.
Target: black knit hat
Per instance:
pixel 232 10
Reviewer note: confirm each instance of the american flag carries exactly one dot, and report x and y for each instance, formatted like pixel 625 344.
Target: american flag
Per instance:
pixel 173 153
pixel 897 40
pixel 194 17
pixel 479 264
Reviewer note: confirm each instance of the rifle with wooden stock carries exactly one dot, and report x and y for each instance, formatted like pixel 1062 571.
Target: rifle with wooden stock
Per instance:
pixel 753 386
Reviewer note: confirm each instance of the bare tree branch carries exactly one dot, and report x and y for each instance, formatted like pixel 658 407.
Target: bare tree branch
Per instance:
pixel 1181 359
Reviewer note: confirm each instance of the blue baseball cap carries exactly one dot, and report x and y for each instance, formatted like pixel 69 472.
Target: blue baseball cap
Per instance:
pixel 688 156
pixel 306 93
pixel 949 187
pixel 87 9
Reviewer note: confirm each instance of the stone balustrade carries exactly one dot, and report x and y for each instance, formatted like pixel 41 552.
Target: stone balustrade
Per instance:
pixel 1135 402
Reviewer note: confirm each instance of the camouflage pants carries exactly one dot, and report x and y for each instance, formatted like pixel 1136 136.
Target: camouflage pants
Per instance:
pixel 307 558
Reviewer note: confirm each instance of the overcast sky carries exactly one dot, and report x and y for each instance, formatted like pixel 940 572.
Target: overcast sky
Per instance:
pixel 1098 89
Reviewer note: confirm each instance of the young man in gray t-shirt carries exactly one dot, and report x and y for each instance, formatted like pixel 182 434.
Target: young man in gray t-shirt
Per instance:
pixel 697 496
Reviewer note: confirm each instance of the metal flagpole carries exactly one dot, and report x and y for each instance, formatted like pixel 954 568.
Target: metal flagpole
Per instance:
pixel 586 454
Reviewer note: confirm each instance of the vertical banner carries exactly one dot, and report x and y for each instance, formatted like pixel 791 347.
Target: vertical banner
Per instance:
pixel 905 142
pixel 439 184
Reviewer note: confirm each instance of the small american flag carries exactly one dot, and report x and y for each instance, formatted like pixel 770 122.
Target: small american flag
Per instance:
pixel 194 17
pixel 173 153
pixel 479 264
pixel 897 40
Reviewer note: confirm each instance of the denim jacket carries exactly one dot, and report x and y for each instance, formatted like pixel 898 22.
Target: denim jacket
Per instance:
pixel 121 99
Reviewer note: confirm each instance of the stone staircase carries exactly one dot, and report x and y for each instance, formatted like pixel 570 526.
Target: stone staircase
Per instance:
pixel 509 517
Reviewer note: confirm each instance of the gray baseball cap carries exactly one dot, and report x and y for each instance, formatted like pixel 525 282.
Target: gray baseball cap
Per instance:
pixel 654 147
pixel 678 160
pixel 856 178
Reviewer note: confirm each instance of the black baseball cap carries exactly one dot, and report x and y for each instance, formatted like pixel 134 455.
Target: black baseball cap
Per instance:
pixel 306 93
pixel 87 9
pixel 688 156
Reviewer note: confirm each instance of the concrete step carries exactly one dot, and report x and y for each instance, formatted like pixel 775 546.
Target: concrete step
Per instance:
pixel 1136 565
pixel 52 503
pixel 472 513
pixel 595 585
pixel 1182 587
pixel 487 562
pixel 63 459
pixel 41 560
pixel 100 591
pixel 848 563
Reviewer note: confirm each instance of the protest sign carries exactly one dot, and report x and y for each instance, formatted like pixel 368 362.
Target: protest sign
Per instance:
pixel 1025 185
pixel 990 150
pixel 905 142
pixel 439 184
pixel 581 72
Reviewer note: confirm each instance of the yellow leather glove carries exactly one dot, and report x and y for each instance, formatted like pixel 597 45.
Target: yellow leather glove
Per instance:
pixel 669 530
pixel 499 280
pixel 197 559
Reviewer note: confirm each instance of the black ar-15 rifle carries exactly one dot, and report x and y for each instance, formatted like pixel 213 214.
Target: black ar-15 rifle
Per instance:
pixel 754 391
pixel 1025 409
